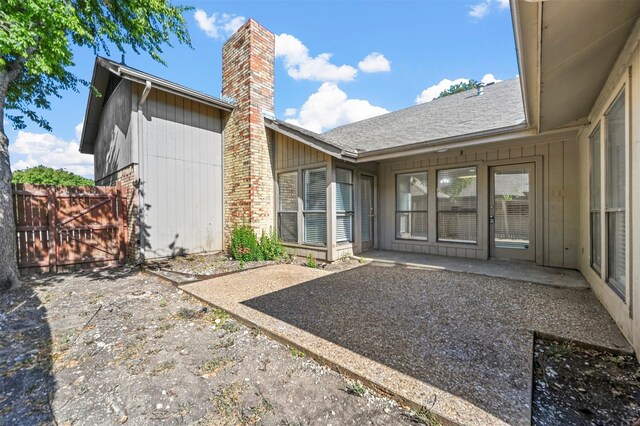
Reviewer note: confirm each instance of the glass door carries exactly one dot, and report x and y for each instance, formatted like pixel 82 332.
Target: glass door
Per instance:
pixel 512 212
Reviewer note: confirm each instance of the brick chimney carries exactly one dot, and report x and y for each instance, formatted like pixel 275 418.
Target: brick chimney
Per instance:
pixel 247 78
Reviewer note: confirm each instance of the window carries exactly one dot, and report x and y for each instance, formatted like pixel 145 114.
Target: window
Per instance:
pixel 344 205
pixel 315 206
pixel 411 206
pixel 615 191
pixel 457 205
pixel 594 200
pixel 288 207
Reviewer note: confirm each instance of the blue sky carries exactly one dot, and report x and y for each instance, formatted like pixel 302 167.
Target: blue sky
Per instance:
pixel 414 46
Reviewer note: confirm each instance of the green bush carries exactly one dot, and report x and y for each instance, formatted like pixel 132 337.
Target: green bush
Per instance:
pixel 246 247
pixel 271 246
pixel 311 261
pixel 244 244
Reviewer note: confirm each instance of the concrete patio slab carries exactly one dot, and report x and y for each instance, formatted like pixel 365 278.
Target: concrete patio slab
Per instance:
pixel 522 271
pixel 459 343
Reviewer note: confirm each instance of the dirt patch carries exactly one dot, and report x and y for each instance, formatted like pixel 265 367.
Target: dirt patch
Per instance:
pixel 184 269
pixel 574 385
pixel 120 347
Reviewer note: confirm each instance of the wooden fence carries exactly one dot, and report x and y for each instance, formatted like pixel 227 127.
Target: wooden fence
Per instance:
pixel 68 228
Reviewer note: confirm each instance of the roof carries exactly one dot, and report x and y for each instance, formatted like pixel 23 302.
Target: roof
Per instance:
pixel 104 68
pixel 465 113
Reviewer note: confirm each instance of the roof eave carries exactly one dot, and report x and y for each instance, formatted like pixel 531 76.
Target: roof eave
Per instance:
pixel 494 135
pixel 320 145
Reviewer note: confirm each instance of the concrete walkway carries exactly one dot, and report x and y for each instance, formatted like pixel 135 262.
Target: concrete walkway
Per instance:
pixel 458 343
pixel 521 271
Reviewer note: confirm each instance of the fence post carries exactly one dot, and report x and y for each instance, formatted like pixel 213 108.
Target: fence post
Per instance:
pixel 53 233
pixel 121 223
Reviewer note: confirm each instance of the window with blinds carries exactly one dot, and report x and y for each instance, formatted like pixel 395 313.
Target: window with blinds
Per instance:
pixel 594 200
pixel 315 206
pixel 457 215
pixel 288 207
pixel 615 193
pixel 344 205
pixel 411 206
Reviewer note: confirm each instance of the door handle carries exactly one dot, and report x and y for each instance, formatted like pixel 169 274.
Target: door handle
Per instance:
pixel 492 219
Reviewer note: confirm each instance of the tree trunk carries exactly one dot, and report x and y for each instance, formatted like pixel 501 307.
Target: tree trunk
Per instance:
pixel 9 276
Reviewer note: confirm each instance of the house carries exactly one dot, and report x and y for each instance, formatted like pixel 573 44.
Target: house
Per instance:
pixel 540 169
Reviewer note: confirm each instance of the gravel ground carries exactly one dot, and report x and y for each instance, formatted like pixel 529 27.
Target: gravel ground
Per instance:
pixel 574 385
pixel 467 334
pixel 119 347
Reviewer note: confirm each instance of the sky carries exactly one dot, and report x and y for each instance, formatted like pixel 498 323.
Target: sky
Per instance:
pixel 336 62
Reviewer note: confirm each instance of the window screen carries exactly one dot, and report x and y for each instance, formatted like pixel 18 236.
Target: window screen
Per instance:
pixel 457 205
pixel 288 207
pixel 615 192
pixel 594 200
pixel 344 205
pixel 315 206
pixel 411 206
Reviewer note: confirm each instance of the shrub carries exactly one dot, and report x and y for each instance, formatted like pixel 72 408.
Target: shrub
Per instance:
pixel 246 247
pixel 271 246
pixel 244 244
pixel 311 261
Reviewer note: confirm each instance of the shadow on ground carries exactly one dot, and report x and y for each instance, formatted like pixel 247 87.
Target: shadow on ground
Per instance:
pixel 29 347
pixel 27 385
pixel 467 334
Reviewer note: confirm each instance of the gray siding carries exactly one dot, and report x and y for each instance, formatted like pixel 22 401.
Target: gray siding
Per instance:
pixel 180 175
pixel 557 190
pixel 115 138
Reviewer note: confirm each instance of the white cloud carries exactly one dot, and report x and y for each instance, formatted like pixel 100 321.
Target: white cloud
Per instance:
pixel 290 112
pixel 489 78
pixel 51 151
pixel 218 25
pixel 374 62
pixel 301 66
pixel 330 107
pixel 432 92
pixel 481 9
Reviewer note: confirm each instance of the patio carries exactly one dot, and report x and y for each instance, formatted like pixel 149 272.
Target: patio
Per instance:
pixel 458 343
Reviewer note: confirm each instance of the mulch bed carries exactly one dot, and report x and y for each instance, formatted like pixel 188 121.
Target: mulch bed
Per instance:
pixel 575 385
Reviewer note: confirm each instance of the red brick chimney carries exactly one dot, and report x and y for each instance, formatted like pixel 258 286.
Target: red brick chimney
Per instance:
pixel 247 79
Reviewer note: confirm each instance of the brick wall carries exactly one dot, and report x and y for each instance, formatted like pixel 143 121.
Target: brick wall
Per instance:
pixel 129 181
pixel 248 78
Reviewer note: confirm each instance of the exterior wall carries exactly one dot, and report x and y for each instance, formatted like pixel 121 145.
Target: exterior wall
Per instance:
pixel 291 155
pixel 248 79
pixel 556 203
pixel 128 177
pixel 180 172
pixel 625 73
pixel 115 139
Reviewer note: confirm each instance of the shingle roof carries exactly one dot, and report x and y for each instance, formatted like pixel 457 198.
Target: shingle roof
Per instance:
pixel 463 113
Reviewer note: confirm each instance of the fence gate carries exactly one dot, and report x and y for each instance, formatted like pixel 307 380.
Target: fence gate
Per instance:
pixel 68 228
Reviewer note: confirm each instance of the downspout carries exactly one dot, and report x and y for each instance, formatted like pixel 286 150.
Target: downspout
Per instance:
pixel 141 205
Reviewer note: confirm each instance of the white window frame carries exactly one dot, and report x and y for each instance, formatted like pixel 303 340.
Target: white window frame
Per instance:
pixel 345 213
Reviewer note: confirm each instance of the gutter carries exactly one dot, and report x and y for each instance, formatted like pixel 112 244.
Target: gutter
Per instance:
pixel 165 85
pixel 515 15
pixel 493 135
pixel 505 134
pixel 316 143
